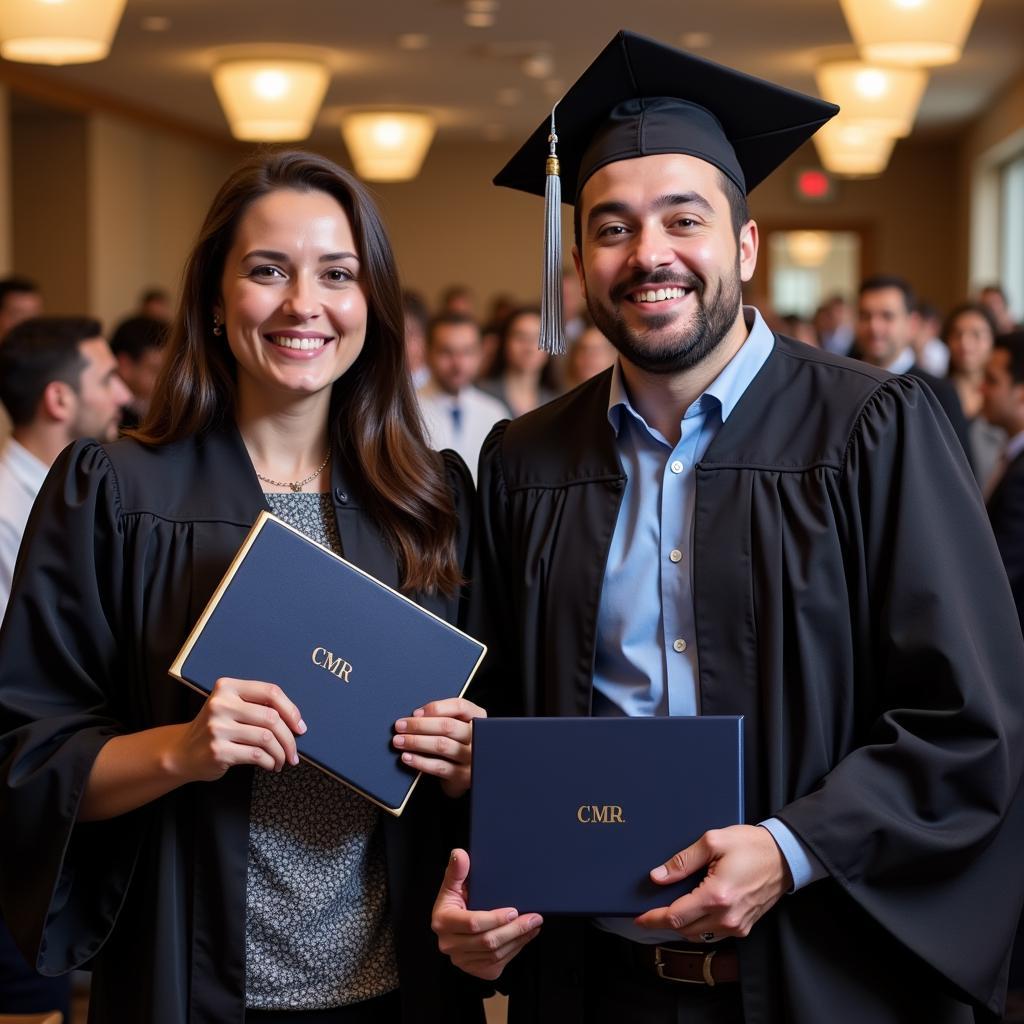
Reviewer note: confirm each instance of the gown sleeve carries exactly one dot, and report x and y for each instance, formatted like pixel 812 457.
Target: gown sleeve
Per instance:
pixel 64 657
pixel 921 822
pixel 492 615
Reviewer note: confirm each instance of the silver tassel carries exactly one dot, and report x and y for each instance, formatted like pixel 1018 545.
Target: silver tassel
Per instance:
pixel 551 337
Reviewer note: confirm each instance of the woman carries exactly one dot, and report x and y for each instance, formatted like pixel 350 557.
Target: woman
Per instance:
pixel 520 376
pixel 590 354
pixel 970 332
pixel 145 845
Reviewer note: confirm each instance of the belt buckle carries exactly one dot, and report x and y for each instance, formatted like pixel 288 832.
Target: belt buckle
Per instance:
pixel 705 967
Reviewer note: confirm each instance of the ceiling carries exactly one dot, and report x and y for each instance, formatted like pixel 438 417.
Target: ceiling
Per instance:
pixel 472 77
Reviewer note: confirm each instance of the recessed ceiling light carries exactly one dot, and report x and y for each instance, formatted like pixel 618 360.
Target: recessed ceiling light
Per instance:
pixel 509 97
pixel 695 40
pixel 413 41
pixel 478 19
pixel 482 6
pixel 155 23
pixel 493 132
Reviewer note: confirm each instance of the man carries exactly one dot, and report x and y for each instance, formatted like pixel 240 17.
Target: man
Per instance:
pixel 155 303
pixel 930 352
pixel 993 296
pixel 59 382
pixel 731 522
pixel 886 326
pixel 138 347
pixel 19 300
pixel 417 319
pixel 457 415
pixel 1003 393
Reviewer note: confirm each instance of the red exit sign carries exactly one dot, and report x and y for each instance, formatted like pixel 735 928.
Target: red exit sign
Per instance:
pixel 815 186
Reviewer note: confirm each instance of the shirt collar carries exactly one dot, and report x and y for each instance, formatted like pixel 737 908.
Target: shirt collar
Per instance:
pixel 903 362
pixel 1014 446
pixel 26 468
pixel 726 389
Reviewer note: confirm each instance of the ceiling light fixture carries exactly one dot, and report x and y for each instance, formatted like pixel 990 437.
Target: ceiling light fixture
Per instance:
pixel 921 33
pixel 413 41
pixel 538 65
pixel 270 100
pixel 65 32
pixel 851 149
pixel 808 248
pixel 388 145
pixel 885 98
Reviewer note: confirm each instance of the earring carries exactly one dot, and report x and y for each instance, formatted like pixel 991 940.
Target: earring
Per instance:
pixel 218 325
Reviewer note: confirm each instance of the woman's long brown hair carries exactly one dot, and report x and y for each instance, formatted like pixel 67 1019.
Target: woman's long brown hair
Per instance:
pixel 375 422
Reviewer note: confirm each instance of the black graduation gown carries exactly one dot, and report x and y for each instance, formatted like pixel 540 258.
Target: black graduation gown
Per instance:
pixel 1006 513
pixel 123 549
pixel 850 604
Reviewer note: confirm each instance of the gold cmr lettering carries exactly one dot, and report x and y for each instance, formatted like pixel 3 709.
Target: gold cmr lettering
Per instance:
pixel 600 814
pixel 332 663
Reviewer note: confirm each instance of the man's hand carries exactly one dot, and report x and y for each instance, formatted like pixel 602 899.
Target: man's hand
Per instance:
pixel 480 942
pixel 746 876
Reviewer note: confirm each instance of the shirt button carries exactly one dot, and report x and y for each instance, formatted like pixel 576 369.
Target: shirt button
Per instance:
pixel 679 646
pixel 676 555
pixel 340 496
pixel 676 467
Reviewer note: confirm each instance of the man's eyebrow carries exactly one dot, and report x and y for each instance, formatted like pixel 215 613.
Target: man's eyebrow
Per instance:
pixel 683 199
pixel 611 206
pixel 615 207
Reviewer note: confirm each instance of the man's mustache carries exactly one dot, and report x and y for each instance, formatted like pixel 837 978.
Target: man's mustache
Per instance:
pixel 657 279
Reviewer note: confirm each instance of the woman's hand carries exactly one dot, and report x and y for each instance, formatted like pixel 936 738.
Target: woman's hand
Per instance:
pixel 438 739
pixel 242 722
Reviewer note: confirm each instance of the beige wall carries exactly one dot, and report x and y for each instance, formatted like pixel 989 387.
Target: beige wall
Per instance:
pixel 148 192
pixel 908 214
pixel 452 226
pixel 50 216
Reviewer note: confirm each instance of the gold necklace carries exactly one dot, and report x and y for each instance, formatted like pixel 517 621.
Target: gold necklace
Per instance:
pixel 297 485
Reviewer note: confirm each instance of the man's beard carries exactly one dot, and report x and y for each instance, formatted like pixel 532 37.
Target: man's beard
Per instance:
pixel 709 324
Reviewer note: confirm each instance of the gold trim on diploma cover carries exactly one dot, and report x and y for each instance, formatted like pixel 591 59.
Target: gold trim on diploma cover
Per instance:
pixel 197 630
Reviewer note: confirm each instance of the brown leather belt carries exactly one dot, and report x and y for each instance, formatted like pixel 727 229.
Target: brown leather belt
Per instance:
pixel 711 965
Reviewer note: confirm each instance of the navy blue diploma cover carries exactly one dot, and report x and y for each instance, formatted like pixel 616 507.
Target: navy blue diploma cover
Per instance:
pixel 569 815
pixel 352 653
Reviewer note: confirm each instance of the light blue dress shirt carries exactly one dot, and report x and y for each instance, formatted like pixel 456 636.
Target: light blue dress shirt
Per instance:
pixel 646 659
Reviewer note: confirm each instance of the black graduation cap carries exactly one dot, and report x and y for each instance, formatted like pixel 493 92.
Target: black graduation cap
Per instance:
pixel 639 98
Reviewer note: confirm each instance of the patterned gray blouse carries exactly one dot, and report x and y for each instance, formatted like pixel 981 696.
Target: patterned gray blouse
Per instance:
pixel 317 930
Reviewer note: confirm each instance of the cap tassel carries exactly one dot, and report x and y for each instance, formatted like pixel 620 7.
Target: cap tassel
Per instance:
pixel 551 337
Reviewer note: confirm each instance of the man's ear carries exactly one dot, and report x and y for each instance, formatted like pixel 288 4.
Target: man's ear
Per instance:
pixel 748 242
pixel 58 401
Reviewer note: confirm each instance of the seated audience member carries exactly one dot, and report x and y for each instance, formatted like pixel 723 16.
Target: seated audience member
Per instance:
pixel 502 307
pixel 416 316
pixel 156 304
pixel 993 296
pixel 19 300
pixel 521 377
pixel 834 325
pixel 590 354
pixel 885 329
pixel 138 345
pixel 969 333
pixel 1003 405
pixel 795 326
pixel 58 380
pixel 457 414
pixel 931 355
pixel 458 298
